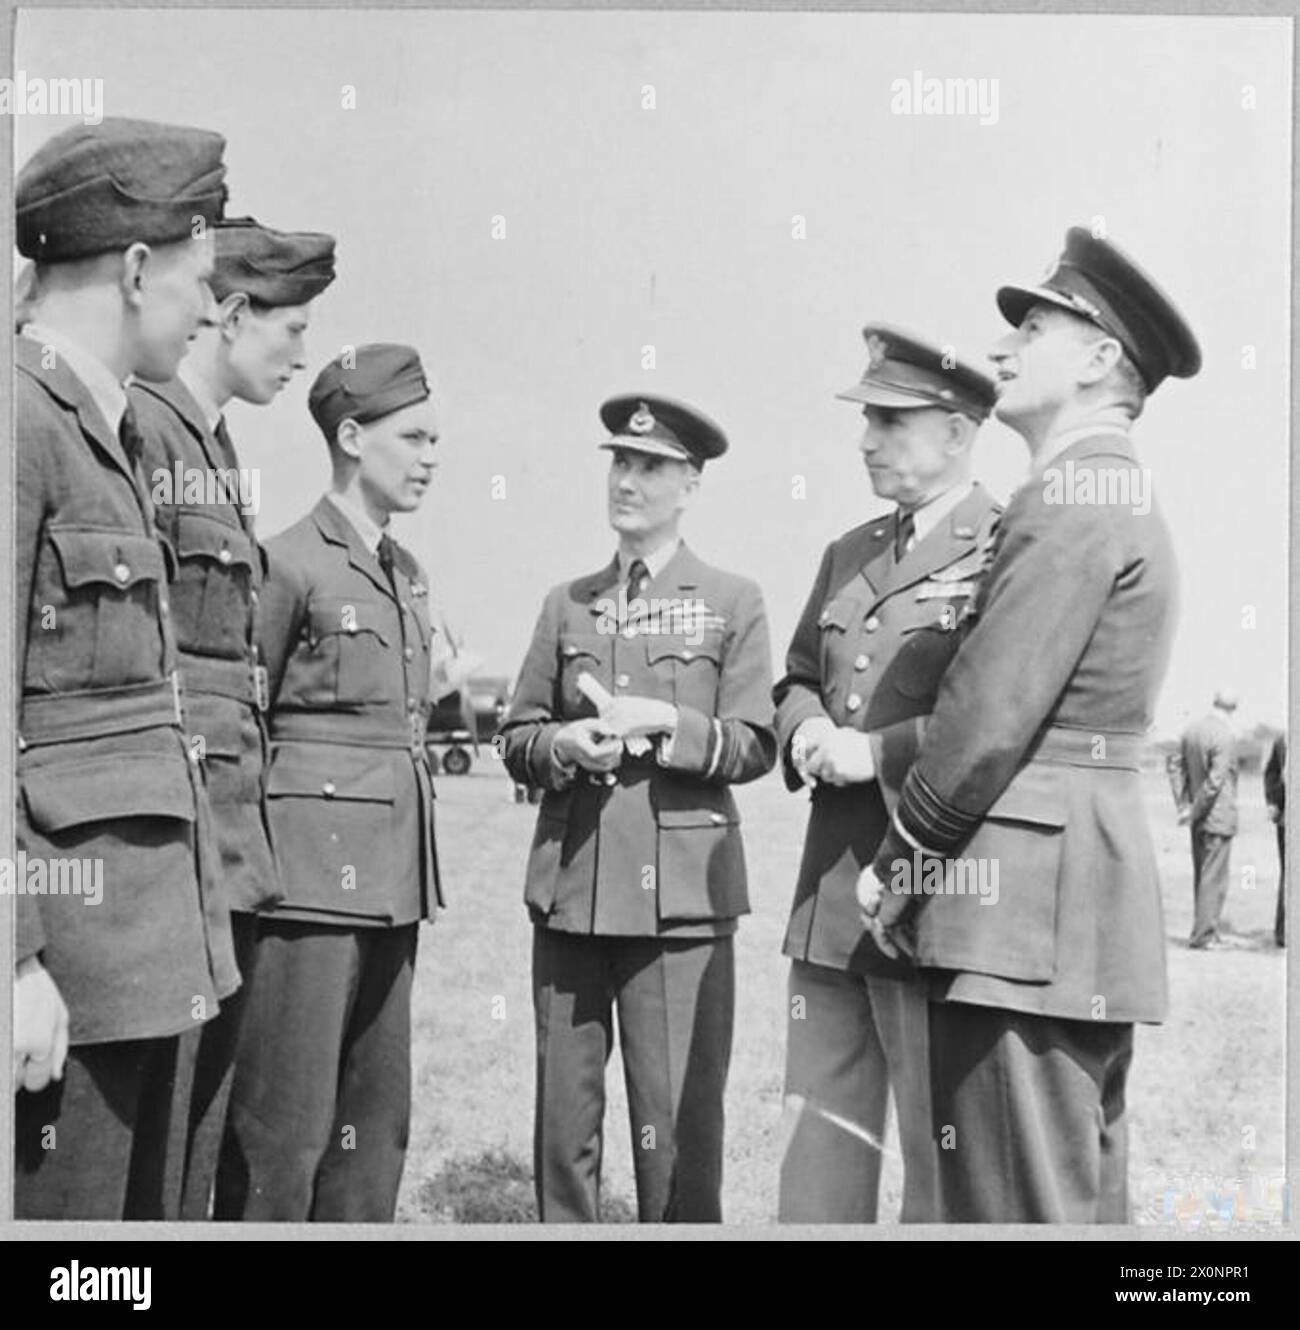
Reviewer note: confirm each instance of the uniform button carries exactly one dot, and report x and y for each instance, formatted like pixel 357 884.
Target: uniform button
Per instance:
pixel 409 653
pixel 861 663
pixel 717 819
pixel 688 654
pixel 224 556
pixel 853 702
pixel 121 572
pixel 412 704
pixel 610 778
pixel 872 624
pixel 163 605
pixel 252 596
pixel 623 680
pixel 328 789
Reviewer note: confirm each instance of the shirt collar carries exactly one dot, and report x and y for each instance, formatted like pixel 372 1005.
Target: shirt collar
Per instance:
pixel 656 561
pixel 210 411
pixel 930 514
pixel 360 520
pixel 105 391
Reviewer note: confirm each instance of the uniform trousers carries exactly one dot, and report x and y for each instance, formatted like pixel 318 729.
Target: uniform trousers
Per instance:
pixel 1029 1116
pixel 107 1141
pixel 1279 919
pixel 675 1003
pixel 214 1074
pixel 1210 853
pixel 850 1037
pixel 320 1110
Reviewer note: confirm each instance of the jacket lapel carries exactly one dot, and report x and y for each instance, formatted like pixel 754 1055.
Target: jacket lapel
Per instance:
pixel 68 389
pixel 337 530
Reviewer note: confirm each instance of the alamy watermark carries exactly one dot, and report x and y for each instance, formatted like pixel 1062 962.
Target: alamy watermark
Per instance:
pixel 26 876
pixel 656 616
pixel 923 875
pixel 952 97
pixel 192 485
pixel 37 96
pixel 1117 486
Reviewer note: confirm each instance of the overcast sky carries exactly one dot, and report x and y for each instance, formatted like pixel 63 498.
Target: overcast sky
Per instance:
pixel 673 226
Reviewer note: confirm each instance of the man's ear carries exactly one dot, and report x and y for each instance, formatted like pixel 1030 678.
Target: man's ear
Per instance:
pixel 135 264
pixel 231 312
pixel 1100 357
pixel 349 438
pixel 960 432
pixel 690 485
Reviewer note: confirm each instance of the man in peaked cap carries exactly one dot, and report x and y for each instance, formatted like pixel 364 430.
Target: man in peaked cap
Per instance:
pixel 1029 769
pixel 321 1105
pixel 116 219
pixel 643 698
pixel 264 282
pixel 887 611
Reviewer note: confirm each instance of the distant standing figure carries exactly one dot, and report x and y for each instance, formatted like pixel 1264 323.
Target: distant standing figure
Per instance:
pixel 1275 797
pixel 1204 776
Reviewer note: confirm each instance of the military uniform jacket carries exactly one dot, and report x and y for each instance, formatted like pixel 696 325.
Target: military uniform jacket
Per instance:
pixel 1206 775
pixel 103 772
pixel 219 572
pixel 869 650
pixel 1030 764
pixel 653 848
pixel 349 793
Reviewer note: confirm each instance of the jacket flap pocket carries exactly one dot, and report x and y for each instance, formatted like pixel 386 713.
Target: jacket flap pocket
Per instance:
pixel 572 648
pixel 64 795
pixel 115 558
pixel 697 817
pixel 336 615
pixel 201 536
pixel 1035 795
pixel 683 649
pixel 332 772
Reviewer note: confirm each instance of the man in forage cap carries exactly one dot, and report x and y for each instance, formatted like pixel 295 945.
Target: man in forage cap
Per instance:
pixel 1029 770
pixel 264 282
pixel 884 619
pixel 321 1105
pixel 117 220
pixel 643 698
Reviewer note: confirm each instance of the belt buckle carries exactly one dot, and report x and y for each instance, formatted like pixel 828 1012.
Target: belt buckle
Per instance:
pixel 261 688
pixel 176 698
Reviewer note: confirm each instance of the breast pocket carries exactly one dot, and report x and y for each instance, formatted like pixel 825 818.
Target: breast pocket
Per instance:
pixel 582 654
pixel 350 640
pixel 211 599
pixel 925 651
pixel 686 671
pixel 833 624
pixel 109 631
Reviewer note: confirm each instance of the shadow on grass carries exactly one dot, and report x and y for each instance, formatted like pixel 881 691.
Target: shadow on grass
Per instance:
pixel 493 1187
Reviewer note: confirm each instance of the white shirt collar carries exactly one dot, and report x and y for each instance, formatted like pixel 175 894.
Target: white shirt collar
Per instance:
pixel 360 520
pixel 929 515
pixel 105 391
pixel 656 561
pixel 210 411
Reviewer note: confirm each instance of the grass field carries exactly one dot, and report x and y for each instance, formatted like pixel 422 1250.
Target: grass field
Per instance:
pixel 1206 1094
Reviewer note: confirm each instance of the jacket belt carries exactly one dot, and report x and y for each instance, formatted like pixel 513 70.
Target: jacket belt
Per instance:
pixel 336 727
pixel 235 679
pixel 1090 748
pixel 57 717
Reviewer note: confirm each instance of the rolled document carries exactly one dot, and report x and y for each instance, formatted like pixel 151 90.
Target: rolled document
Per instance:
pixel 602 699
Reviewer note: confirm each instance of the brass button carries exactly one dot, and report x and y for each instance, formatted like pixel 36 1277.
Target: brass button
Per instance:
pixel 872 624
pixel 688 654
pixel 717 819
pixel 611 778
pixel 252 597
pixel 853 702
pixel 623 680
pixel 861 663
pixel 121 572
pixel 224 556
pixel 328 789
pixel 411 704
pixel 163 605
pixel 409 653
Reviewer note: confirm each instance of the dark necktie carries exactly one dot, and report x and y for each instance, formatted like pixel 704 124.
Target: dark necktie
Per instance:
pixel 903 533
pixel 637 576
pixel 128 434
pixel 384 553
pixel 224 442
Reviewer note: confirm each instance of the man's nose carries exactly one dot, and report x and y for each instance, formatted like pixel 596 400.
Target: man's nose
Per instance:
pixel 869 442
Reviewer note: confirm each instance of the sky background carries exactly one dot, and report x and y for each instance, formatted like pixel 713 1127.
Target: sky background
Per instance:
pixel 672 228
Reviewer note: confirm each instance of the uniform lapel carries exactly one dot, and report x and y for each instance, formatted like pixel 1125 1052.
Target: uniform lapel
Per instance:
pixel 593 588
pixel 955 536
pixel 67 388
pixel 339 531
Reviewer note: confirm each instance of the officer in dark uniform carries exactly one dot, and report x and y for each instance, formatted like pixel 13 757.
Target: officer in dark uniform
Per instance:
pixel 890 602
pixel 321 1105
pixel 264 282
pixel 1030 764
pixel 645 695
pixel 108 213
